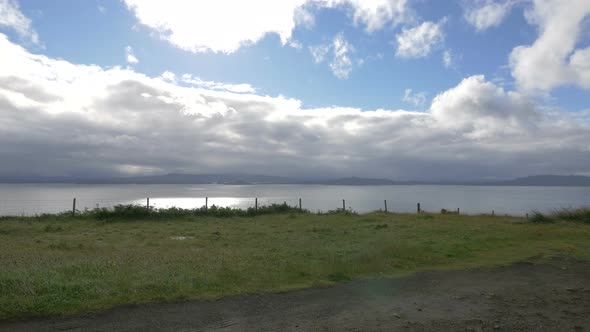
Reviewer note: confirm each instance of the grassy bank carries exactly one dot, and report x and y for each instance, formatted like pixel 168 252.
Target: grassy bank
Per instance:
pixel 60 264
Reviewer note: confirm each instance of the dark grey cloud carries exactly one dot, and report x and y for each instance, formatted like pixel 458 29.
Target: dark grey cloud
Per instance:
pixel 32 91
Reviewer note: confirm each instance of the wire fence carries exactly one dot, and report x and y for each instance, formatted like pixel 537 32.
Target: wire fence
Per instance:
pixel 40 206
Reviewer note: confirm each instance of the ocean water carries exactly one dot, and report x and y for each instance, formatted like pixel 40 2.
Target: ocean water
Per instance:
pixel 31 199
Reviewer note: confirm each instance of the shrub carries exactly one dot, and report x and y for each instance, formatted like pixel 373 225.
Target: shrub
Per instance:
pixel 539 218
pixel 349 212
pixel 136 212
pixel 571 214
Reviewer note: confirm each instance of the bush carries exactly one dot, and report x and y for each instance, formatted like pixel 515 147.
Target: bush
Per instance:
pixel 136 212
pixel 445 211
pixel 349 212
pixel 571 214
pixel 566 214
pixel 539 218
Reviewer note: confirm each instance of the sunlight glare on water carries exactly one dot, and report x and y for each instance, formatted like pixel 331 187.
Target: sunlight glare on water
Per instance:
pixel 193 203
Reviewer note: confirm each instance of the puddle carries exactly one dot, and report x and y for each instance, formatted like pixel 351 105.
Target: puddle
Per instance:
pixel 180 238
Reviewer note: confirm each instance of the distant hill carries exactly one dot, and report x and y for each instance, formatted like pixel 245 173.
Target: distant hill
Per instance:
pixel 354 181
pixel 161 179
pixel 245 179
pixel 207 179
pixel 548 180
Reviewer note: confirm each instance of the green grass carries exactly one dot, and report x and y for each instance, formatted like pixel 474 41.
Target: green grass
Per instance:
pixel 60 264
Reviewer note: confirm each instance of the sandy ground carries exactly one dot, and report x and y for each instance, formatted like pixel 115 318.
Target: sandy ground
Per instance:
pixel 550 296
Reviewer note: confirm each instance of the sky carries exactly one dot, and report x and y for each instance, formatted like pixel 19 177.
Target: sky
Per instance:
pixel 403 89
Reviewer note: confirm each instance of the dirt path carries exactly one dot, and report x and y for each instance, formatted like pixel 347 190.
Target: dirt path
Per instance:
pixel 551 296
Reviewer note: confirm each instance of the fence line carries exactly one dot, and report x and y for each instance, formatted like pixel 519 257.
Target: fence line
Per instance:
pixel 39 206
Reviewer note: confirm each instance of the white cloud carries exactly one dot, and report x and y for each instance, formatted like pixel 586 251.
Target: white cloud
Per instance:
pixel 484 14
pixel 417 99
pixel 447 58
pixel 220 26
pixel 481 109
pixel 130 56
pixel 419 41
pixel 168 76
pixel 376 14
pixel 341 64
pixel 319 52
pixel 341 52
pixel 12 17
pixel 296 44
pixel 554 59
pixel 304 17
pixel 89 121
pixel 237 88
pixel 226 25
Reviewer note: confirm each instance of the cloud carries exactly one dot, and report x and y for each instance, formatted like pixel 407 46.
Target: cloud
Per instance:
pixel 85 120
pixel 419 41
pixel 319 52
pixel 376 14
pixel 481 109
pixel 555 58
pixel 304 17
pixel 237 88
pixel 447 58
pixel 417 99
pixel 341 52
pixel 12 17
pixel 484 14
pixel 226 25
pixel 296 44
pixel 130 56
pixel 341 64
pixel 168 76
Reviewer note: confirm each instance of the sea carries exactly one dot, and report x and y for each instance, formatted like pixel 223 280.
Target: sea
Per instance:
pixel 34 199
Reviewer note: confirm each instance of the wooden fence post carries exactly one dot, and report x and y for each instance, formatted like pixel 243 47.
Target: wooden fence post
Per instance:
pixel 418 208
pixel 74 207
pixel 458 211
pixel 147 204
pixel 385 202
pixel 206 203
pixel 300 209
pixel 343 205
pixel 256 204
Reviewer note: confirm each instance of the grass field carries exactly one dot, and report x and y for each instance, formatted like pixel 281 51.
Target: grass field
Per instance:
pixel 54 265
